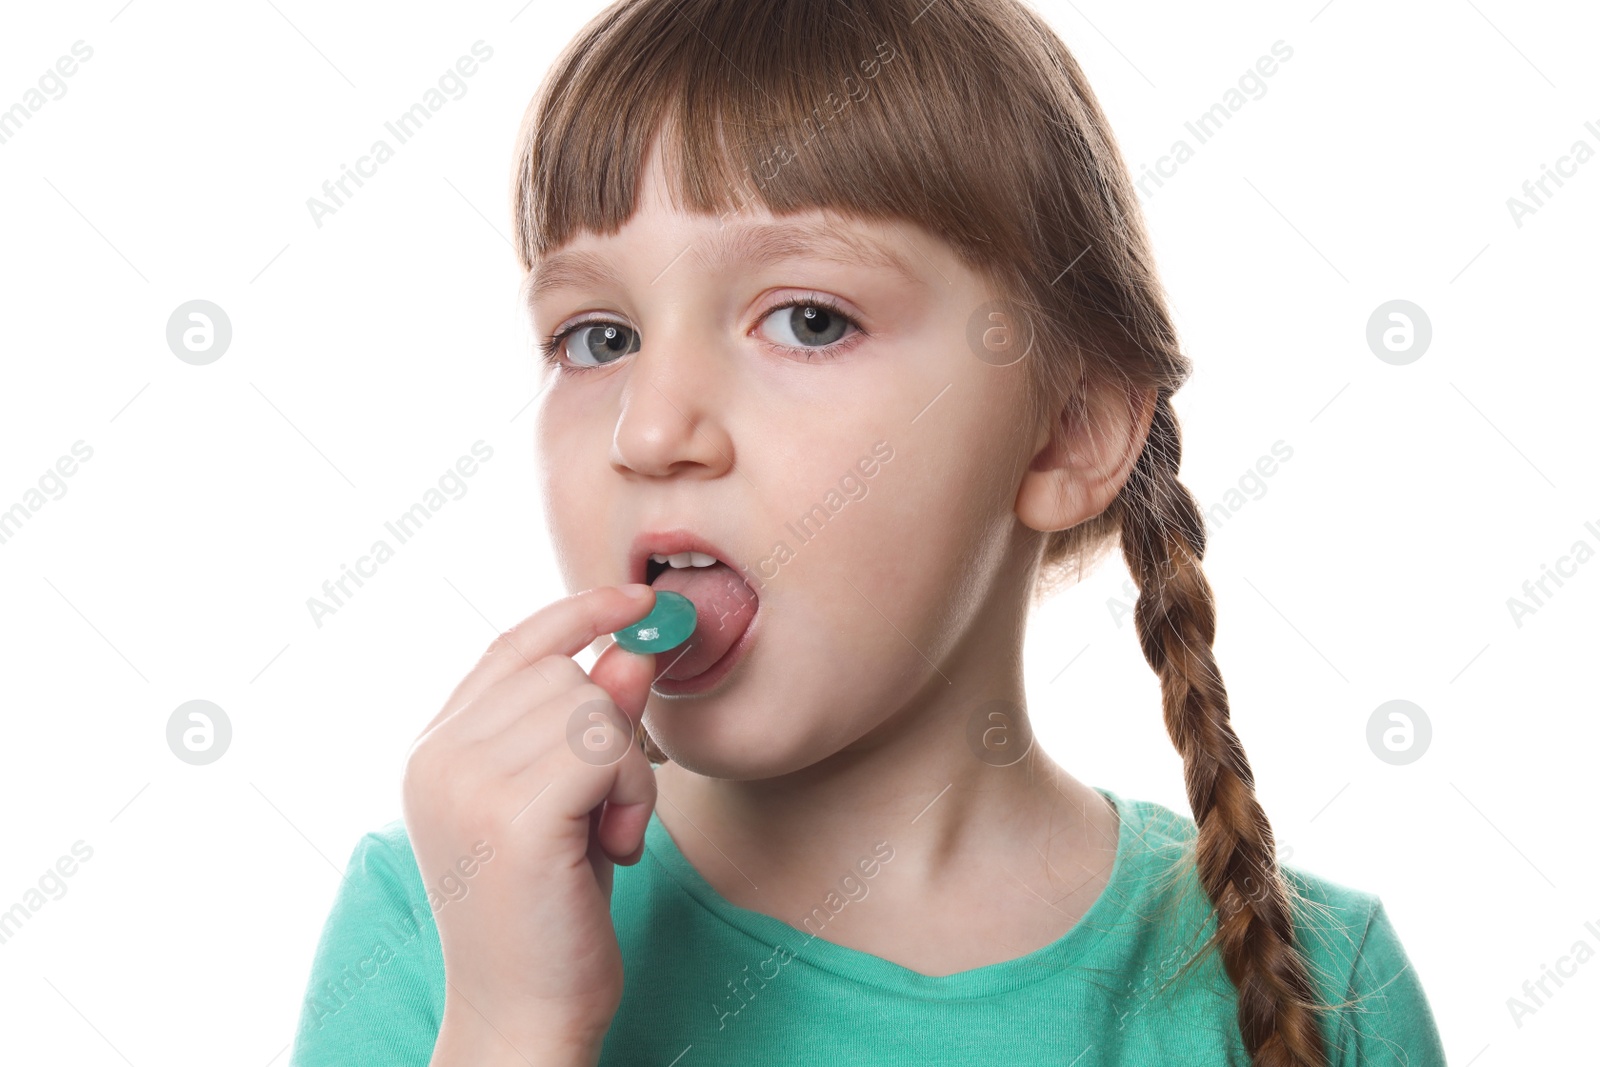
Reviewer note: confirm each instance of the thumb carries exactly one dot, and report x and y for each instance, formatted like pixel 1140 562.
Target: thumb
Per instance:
pixel 626 676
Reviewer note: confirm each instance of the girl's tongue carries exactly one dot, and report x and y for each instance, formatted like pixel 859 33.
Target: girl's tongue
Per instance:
pixel 724 604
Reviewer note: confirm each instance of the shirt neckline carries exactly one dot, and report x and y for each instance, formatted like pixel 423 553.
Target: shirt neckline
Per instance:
pixel 865 968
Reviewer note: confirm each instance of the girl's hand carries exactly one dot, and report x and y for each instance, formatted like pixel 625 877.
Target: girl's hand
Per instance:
pixel 530 764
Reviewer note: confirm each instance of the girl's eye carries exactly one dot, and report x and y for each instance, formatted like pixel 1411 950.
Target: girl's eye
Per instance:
pixel 810 324
pixel 603 342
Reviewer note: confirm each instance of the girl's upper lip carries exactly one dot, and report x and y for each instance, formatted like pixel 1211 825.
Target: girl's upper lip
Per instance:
pixel 668 542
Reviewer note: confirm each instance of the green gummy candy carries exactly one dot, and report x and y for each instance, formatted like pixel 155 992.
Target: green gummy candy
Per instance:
pixel 668 625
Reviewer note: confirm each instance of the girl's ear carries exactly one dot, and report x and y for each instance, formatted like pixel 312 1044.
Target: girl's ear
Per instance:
pixel 1083 457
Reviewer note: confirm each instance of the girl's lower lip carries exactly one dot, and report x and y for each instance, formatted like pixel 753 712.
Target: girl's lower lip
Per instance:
pixel 714 673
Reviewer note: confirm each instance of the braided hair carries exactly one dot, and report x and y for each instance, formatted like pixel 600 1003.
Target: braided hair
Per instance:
pixel 1163 540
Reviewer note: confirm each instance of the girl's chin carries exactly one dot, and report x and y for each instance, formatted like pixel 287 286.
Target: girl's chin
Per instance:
pixel 731 754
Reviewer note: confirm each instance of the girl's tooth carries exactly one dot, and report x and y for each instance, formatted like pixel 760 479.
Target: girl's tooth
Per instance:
pixel 684 559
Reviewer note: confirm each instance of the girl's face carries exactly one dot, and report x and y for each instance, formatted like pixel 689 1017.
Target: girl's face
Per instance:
pixel 719 411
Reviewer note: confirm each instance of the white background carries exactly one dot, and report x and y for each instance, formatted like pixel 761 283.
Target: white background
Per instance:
pixel 368 354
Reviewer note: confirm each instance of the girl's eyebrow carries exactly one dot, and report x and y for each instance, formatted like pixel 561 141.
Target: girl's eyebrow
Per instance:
pixel 756 244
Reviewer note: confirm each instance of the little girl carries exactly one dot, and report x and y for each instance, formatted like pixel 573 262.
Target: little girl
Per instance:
pixel 852 337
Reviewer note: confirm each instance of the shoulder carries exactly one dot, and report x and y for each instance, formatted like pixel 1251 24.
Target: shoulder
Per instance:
pixel 1337 917
pixel 1378 1010
pixel 375 992
pixel 382 891
pixel 384 858
pixel 389 844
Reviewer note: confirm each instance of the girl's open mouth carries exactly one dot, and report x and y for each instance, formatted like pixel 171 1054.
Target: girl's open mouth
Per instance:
pixel 725 611
pixel 725 605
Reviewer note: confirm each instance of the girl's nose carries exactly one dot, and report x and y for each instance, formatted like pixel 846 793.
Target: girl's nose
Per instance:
pixel 672 420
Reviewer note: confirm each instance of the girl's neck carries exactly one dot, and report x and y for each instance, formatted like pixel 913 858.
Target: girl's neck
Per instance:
pixel 965 836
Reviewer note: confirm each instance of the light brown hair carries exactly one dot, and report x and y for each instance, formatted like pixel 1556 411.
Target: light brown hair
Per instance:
pixel 970 118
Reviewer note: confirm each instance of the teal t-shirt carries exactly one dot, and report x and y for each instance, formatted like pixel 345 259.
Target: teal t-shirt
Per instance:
pixel 708 982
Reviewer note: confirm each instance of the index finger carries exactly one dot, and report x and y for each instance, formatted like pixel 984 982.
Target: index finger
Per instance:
pixel 563 627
